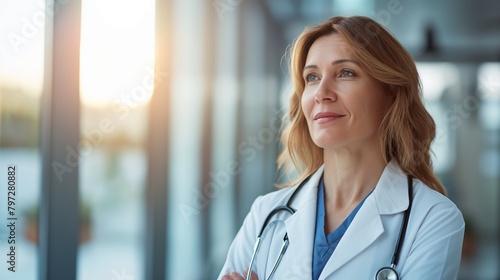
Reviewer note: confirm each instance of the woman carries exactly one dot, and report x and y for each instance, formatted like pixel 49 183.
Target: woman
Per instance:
pixel 359 137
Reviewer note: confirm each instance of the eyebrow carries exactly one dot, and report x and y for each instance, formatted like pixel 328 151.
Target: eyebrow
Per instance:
pixel 339 61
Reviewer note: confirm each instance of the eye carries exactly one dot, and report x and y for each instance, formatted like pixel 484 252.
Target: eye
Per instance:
pixel 346 73
pixel 311 78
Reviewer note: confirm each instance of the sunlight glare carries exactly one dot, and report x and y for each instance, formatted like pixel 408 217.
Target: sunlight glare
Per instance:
pixel 117 51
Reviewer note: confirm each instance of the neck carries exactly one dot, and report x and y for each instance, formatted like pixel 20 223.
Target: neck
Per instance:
pixel 349 176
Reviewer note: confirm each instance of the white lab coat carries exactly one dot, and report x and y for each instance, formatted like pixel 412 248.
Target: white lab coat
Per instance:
pixel 431 249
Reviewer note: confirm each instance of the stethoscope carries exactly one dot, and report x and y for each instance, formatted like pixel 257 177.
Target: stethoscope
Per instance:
pixel 385 273
pixel 389 272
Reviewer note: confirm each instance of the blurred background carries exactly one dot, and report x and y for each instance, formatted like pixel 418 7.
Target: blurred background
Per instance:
pixel 143 130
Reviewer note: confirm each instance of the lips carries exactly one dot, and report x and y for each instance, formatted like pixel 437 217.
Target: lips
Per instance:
pixel 327 115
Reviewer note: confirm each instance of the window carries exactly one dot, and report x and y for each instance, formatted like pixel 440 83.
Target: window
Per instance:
pixel 21 75
pixel 117 81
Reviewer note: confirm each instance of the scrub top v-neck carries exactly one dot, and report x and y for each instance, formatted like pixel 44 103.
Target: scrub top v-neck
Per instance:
pixel 324 245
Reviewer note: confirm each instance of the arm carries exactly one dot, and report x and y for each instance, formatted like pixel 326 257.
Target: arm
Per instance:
pixel 436 249
pixel 236 276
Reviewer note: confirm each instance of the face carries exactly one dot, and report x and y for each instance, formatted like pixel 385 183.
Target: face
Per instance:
pixel 343 105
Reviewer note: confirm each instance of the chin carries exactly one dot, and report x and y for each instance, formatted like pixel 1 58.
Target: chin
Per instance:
pixel 327 143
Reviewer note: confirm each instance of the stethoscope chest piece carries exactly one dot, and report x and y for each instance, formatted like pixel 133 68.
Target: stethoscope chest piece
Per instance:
pixel 386 273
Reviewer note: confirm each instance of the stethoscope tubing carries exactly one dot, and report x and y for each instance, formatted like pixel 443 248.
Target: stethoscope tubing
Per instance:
pixel 404 225
pixel 390 273
pixel 286 208
pixel 383 273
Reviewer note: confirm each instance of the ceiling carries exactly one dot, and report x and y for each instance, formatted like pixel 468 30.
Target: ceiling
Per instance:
pixel 463 30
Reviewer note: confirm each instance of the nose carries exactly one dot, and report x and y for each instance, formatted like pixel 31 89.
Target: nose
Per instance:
pixel 325 92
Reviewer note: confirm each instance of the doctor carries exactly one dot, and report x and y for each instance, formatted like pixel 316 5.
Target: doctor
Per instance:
pixel 359 137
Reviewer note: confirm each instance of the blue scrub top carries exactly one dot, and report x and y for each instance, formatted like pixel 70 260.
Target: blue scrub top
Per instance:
pixel 325 245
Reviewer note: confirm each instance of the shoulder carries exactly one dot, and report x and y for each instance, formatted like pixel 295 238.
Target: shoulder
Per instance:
pixel 427 198
pixel 435 229
pixel 434 211
pixel 428 204
pixel 431 211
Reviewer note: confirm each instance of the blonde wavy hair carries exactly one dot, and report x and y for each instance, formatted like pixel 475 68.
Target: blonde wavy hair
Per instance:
pixel 406 131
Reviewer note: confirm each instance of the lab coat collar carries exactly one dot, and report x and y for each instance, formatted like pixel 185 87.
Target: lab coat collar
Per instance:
pixel 301 225
pixel 390 196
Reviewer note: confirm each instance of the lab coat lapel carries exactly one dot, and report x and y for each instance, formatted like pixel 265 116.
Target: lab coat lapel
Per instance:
pixel 389 196
pixel 301 227
pixel 363 231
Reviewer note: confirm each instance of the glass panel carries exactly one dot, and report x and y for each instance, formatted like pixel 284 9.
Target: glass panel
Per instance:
pixel 357 7
pixel 437 80
pixel 117 80
pixel 489 119
pixel 22 25
pixel 224 125
pixel 489 93
pixel 186 201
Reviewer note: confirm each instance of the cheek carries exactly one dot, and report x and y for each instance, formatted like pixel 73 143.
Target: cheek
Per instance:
pixel 373 113
pixel 380 106
pixel 306 103
pixel 369 112
pixel 303 105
